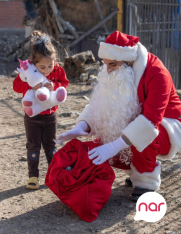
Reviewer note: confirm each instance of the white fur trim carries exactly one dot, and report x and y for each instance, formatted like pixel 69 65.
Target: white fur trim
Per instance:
pixel 173 128
pixel 141 132
pixel 147 180
pixel 140 63
pixel 86 116
pixel 138 54
pixel 119 53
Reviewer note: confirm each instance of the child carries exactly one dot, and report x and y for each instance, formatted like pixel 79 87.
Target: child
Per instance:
pixel 41 129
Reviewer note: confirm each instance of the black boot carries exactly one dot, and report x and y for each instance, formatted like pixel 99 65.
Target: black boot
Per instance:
pixel 137 192
pixel 128 182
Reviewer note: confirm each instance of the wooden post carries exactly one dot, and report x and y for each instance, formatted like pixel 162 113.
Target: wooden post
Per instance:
pixel 67 36
pixel 92 29
pixel 55 14
pixel 63 22
pixel 19 46
pixel 120 16
pixel 100 13
pixel 47 20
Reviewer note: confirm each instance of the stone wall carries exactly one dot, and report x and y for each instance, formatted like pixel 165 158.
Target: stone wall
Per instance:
pixel 9 39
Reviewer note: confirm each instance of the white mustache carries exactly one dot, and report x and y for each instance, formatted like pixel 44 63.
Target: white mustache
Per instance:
pixel 110 70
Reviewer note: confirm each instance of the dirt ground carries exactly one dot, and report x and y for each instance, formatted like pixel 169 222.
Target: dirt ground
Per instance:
pixel 23 211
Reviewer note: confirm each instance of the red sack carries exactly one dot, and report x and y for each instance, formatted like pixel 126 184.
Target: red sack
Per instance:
pixel 77 182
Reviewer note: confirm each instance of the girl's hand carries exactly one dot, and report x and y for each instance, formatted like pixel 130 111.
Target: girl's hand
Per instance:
pixel 37 86
pixel 49 86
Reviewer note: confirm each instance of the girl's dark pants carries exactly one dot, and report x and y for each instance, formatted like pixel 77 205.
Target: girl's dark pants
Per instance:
pixel 40 129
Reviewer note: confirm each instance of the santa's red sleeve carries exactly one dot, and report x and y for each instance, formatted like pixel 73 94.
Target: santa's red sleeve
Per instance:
pixel 144 129
pixel 19 86
pixel 61 79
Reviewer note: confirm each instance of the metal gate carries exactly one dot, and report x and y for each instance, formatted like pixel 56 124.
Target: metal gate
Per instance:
pixel 158 25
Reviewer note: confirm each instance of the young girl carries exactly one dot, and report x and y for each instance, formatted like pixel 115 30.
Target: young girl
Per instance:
pixel 41 129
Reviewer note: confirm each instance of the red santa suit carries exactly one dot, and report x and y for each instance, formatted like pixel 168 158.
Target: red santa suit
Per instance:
pixel 156 131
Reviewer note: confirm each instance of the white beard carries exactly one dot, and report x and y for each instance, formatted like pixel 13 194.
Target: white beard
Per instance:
pixel 114 103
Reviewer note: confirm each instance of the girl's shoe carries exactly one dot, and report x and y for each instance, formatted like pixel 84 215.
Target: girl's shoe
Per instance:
pixel 33 183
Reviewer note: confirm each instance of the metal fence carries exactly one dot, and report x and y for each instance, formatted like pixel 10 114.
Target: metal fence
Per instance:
pixel 158 25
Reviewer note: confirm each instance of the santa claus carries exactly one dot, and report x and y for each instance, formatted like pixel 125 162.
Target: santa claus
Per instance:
pixel 134 113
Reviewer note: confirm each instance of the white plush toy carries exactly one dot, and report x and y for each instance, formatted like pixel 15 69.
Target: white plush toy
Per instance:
pixel 36 101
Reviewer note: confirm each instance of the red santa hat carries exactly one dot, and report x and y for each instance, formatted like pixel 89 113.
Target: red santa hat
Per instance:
pixel 119 46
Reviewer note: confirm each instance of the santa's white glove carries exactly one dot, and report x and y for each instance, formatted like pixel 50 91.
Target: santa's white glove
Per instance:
pixel 79 130
pixel 107 151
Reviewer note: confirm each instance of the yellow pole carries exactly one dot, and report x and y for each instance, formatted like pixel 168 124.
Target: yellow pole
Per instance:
pixel 120 16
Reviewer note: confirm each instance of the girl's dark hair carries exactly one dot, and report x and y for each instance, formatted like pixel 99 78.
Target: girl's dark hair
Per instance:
pixel 41 46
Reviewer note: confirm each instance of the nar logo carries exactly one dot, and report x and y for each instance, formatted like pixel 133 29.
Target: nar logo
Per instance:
pixel 150 207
